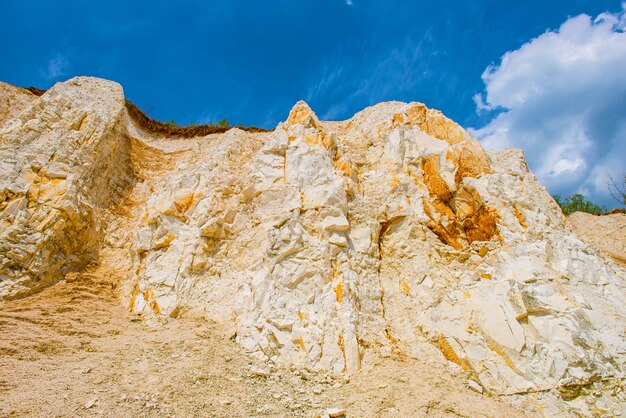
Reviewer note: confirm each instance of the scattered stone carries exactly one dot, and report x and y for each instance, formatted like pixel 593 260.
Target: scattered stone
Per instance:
pixel 90 403
pixel 473 385
pixel 336 412
pixel 260 370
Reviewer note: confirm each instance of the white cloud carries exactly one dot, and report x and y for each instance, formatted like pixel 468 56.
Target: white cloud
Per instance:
pixel 562 98
pixel 56 67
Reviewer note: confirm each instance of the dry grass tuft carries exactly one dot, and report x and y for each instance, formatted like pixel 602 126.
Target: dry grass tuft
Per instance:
pixel 171 130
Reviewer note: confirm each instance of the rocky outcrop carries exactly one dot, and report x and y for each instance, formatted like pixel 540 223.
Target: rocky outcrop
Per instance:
pixel 62 160
pixel 320 242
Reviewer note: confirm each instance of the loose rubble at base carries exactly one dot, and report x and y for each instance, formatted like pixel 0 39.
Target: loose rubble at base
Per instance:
pixel 318 243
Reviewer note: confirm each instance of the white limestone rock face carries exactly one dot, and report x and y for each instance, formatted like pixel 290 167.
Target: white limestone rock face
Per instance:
pixel 318 243
pixel 325 240
pixel 61 161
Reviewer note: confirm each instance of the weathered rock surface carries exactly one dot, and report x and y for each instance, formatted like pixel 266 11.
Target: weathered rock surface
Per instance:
pixel 320 243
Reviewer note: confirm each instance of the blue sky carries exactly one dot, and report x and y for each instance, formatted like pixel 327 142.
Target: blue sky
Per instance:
pixel 508 70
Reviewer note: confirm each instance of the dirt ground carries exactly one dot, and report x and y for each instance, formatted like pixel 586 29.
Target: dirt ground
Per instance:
pixel 72 350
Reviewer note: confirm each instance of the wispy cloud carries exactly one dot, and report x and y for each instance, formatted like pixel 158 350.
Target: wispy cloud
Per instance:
pixel 562 98
pixel 55 67
pixel 360 77
pixel 349 3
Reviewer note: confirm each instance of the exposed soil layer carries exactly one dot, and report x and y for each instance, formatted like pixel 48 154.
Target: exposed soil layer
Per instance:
pixel 171 130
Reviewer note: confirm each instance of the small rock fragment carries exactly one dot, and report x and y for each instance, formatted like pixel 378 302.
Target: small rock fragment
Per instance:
pixel 475 386
pixel 90 403
pixel 336 412
pixel 260 371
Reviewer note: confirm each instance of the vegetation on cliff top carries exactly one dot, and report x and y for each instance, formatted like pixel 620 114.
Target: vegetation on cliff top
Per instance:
pixel 578 203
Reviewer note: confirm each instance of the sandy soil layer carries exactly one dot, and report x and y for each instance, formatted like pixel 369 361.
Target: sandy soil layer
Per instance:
pixel 72 350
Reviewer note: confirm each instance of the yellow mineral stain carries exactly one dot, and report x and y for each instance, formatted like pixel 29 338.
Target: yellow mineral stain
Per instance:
pixel 397 118
pixel 155 307
pixel 300 117
pixel 443 128
pixel 450 156
pixel 339 292
pixel 184 203
pixel 448 234
pixel 416 114
pixel 394 180
pixel 486 276
pixel 48 190
pixel 483 251
pixel 444 209
pixel 450 354
pixel 520 217
pixel 471 161
pixel 313 140
pixel 133 298
pixel 165 243
pixel 406 289
pixel 495 347
pixel 327 140
pixel 301 342
pixel 435 183
pixel 304 316
pixel 343 167
pixel 482 225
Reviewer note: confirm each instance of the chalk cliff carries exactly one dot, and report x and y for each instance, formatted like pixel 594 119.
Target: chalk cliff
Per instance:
pixel 319 242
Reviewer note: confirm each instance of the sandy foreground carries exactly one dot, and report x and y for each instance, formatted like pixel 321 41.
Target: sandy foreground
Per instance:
pixel 72 350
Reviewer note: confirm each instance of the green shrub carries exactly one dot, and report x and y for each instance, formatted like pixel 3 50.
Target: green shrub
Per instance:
pixel 578 203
